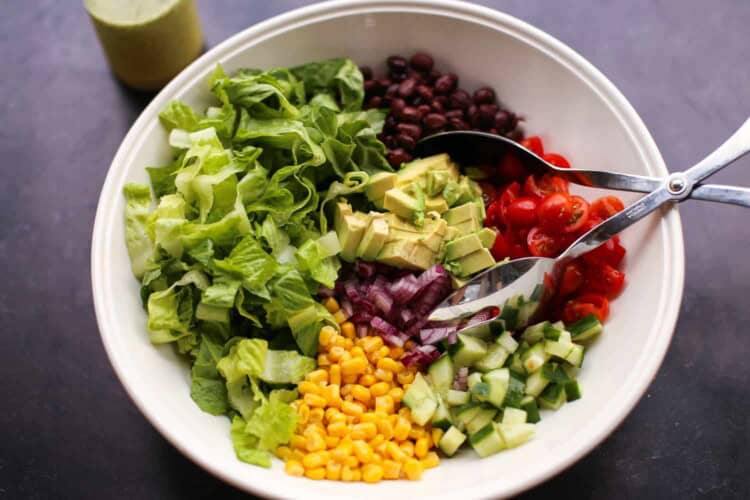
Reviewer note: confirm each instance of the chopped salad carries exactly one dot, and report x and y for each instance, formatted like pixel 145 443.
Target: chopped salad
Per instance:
pixel 294 248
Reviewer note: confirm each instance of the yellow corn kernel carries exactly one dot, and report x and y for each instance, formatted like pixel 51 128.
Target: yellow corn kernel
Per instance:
pixel 376 441
pixel 413 469
pixel 348 343
pixel 385 429
pixel 401 429
pixel 331 441
pixel 405 377
pixel 369 417
pixel 384 404
pixel 294 468
pixel 379 389
pixel 431 460
pixel 351 408
pixel 346 389
pixel 308 387
pixel 325 336
pixel 315 442
pixel 390 365
pixel 339 417
pixel 334 375
pixel 361 393
pixel 354 366
pixel 338 429
pixel 397 394
pixel 391 469
pixel 284 452
pixel 384 375
pixel 349 379
pixel 297 455
pixel 335 353
pixel 333 471
pixel 404 412
pixel 332 305
pixel 314 401
pixel 377 458
pixel 323 360
pixel 346 474
pixel 298 442
pixel 347 328
pixel 436 434
pixel 330 412
pixel 340 341
pixel 364 431
pixel 331 393
pixel 316 415
pixel 372 473
pixel 367 380
pixel 342 451
pixel 417 432
pixel 352 461
pixel 395 452
pixel 349 397
pixel 340 316
pixel 313 460
pixel 318 473
pixel 304 413
pixel 372 344
pixel 407 447
pixel 382 448
pixel 357 352
pixel 396 352
pixel 362 451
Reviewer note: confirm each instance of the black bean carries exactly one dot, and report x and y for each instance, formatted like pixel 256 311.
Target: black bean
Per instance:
pixel 410 115
pixel 459 99
pixel 458 124
pixel 397 63
pixel 397 77
pixel 484 95
pixel 435 121
pixel 407 88
pixel 502 120
pixel 422 62
pixel 390 123
pixel 446 83
pixel 372 87
pixel 410 129
pixel 375 101
pixel 432 76
pixel 425 92
pixel 391 90
pixel 437 106
pixel 487 115
pixel 406 141
pixel 397 105
pixel 424 109
pixel 472 114
pixel 454 113
pixel 398 156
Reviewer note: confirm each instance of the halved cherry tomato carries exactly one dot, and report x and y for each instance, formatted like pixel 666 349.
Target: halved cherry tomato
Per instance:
pixel 510 168
pixel 516 244
pixel 489 193
pixel 544 185
pixel 521 212
pixel 557 160
pixel 579 214
pixel 585 304
pixel 572 279
pixel 534 144
pixel 500 248
pixel 606 206
pixel 554 212
pixel 611 252
pixel 603 278
pixel 492 217
pixel 543 244
pixel 511 192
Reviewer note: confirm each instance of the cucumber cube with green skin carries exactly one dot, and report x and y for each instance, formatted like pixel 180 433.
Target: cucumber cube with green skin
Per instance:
pixel 553 397
pixel 480 391
pixel 575 356
pixel 572 391
pixel 442 417
pixel 536 383
pixel 534 333
pixel 554 372
pixel 528 404
pixel 558 349
pixel 508 342
pixel 457 398
pixel 467 350
pixel 515 392
pixel 585 328
pixel 451 441
pixel 465 413
pixel 534 357
pixel 513 416
pixel 498 380
pixel 509 314
pixel 473 379
pixel 495 358
pixel 515 434
pixel 487 441
pixel 421 400
pixel 441 374
pixel 515 364
pixel 482 418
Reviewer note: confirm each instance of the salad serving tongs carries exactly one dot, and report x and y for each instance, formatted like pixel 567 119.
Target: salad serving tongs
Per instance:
pixel 528 283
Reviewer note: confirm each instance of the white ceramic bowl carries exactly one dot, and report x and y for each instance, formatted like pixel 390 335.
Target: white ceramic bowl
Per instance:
pixel 575 109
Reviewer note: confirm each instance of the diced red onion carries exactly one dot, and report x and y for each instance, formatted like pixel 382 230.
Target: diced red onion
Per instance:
pixel 347 307
pixel 381 299
pixel 435 335
pixel 480 317
pixel 350 288
pixel 405 288
pixel 420 356
pixel 460 382
pixel 324 291
pixel 362 331
pixel 364 269
pixel 452 338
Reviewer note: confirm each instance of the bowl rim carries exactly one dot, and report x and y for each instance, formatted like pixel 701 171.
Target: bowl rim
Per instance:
pixel 632 123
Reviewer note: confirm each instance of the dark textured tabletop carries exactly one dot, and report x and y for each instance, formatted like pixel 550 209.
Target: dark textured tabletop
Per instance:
pixel 67 428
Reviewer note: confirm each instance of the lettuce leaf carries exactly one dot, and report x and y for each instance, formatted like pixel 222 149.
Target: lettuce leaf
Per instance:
pixel 319 260
pixel 140 246
pixel 337 77
pixel 286 367
pixel 207 388
pixel 171 311
pixel 249 264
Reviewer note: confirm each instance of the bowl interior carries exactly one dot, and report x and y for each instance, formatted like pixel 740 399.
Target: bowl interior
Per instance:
pixel 577 113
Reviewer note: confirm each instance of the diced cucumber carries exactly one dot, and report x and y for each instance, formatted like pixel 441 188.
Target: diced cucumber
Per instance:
pixel 467 350
pixel 571 371
pixel 464 414
pixel 528 404
pixel 575 356
pixel 515 392
pixel 526 312
pixel 551 332
pixel 457 398
pixel 515 434
pixel 487 441
pixel 515 364
pixel 553 397
pixel 442 417
pixel 498 380
pixel 585 328
pixel 421 400
pixel 473 379
pixel 451 441
pixel 481 419
pixel 495 358
pixel 565 336
pixel 534 357
pixel 480 391
pixel 514 416
pixel 558 349
pixel 508 342
pixel 441 374
pixel 509 314
pixel 535 383
pixel 534 333
pixel 554 372
pixel 572 391
pixel 486 331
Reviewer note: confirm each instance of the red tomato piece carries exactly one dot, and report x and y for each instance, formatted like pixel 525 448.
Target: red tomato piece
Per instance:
pixel 606 206
pixel 511 192
pixel 605 279
pixel 516 245
pixel 572 279
pixel 554 212
pixel 611 252
pixel 489 193
pixel 579 215
pixel 543 244
pixel 521 212
pixel 492 217
pixel 541 186
pixel 500 248
pixel 583 305
pixel 534 144
pixel 557 160
pixel 510 168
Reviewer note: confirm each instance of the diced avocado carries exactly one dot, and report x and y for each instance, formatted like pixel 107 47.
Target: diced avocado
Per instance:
pixel 461 213
pixel 342 210
pixel 418 168
pixel 435 182
pixel 457 282
pixel 374 238
pixel 396 222
pixel 487 237
pixel 350 234
pixel 451 441
pixel 436 204
pixel 474 262
pixel 463 245
pixel 421 400
pixel 406 254
pixel 379 184
pixel 467 226
pixel 401 204
pixel 515 434
pixel 378 203
pixel 468 190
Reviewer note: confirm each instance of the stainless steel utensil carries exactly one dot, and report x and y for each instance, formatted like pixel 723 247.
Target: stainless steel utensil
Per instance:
pixel 531 281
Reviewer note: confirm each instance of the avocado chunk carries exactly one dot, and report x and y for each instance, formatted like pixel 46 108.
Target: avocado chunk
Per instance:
pixel 472 263
pixel 467 227
pixel 436 204
pixel 406 254
pixel 400 203
pixel 350 233
pixel 435 182
pixel 379 184
pixel 462 213
pixel 462 246
pixel 487 237
pixel 414 170
pixel 374 238
pixel 342 210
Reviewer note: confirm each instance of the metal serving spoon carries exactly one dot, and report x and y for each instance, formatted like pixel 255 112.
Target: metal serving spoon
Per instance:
pixel 480 148
pixel 531 281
